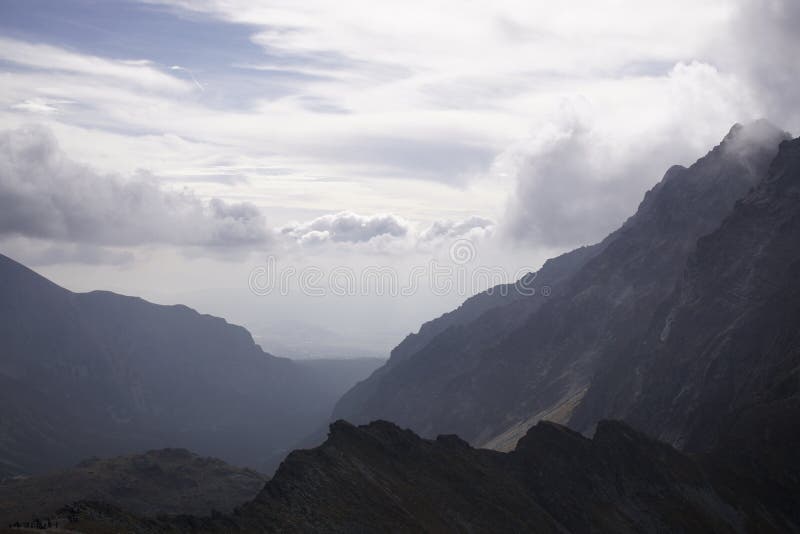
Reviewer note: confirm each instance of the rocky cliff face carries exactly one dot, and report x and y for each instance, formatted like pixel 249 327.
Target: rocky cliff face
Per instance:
pixel 725 346
pixel 100 374
pixel 379 478
pixel 491 378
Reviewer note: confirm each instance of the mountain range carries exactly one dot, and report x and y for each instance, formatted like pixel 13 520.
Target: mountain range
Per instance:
pixel 654 388
pixel 101 374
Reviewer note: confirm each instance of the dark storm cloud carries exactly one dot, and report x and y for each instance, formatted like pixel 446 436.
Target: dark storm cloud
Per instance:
pixel 46 195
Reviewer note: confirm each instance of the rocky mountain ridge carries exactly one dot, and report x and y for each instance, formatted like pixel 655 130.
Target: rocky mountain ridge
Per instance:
pixel 379 477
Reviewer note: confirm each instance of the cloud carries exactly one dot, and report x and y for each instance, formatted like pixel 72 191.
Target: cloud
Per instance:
pixel 191 75
pixel 404 108
pixel 579 176
pixel 36 252
pixel 760 46
pixel 567 194
pixel 448 229
pixel 39 105
pixel 488 37
pixel 46 195
pixel 139 73
pixel 348 234
pixel 346 227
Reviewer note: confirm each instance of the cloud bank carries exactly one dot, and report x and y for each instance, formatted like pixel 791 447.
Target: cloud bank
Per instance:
pixel 760 46
pixel 403 110
pixel 46 195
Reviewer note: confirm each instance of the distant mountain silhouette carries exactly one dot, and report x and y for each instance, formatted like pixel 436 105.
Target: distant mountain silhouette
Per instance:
pixel 101 374
pixel 488 373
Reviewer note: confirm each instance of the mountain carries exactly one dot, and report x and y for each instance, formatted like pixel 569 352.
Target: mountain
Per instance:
pixel 166 481
pixel 493 313
pixel 494 374
pixel 723 350
pixel 101 374
pixel 380 478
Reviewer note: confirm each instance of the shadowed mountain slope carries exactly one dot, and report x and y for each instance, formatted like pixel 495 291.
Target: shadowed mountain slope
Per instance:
pixel 724 348
pixel 101 374
pixel 380 478
pixel 489 379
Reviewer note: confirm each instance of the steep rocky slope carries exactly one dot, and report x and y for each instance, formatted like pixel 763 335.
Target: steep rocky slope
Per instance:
pixel 479 321
pixel 491 378
pixel 725 346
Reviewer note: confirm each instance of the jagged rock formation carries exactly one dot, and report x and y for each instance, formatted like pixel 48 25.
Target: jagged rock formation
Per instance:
pixel 166 481
pixel 380 478
pixel 101 374
pixel 491 378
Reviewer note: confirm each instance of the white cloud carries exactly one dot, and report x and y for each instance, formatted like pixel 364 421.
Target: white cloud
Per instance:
pixel 347 227
pixel 449 229
pixel 581 174
pixel 476 37
pixel 355 237
pixel 760 47
pixel 40 105
pixel 139 73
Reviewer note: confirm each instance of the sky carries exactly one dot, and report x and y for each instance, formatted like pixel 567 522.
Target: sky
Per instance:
pixel 187 150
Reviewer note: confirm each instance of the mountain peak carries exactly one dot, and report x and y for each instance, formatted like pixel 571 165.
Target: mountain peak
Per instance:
pixel 16 278
pixel 757 134
pixel 736 128
pixel 8 265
